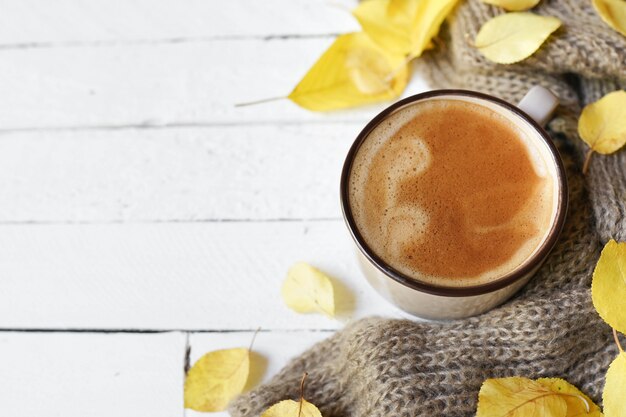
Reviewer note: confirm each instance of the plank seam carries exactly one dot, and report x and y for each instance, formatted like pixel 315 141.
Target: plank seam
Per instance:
pixel 187 358
pixel 163 41
pixel 157 331
pixel 177 125
pixel 165 221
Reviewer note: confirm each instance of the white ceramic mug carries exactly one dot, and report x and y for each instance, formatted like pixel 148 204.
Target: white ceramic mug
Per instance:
pixel 438 302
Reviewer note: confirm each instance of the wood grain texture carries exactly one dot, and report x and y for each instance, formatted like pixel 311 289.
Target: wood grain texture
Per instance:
pixel 32 23
pixel 95 375
pixel 122 155
pixel 162 85
pixel 173 275
pixel 271 351
pixel 179 174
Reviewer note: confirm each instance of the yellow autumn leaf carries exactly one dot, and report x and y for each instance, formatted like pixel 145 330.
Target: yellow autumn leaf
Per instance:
pixel 602 124
pixel 216 378
pixel 518 397
pixel 388 23
pixel 400 8
pixel 614 394
pixel 512 37
pixel 291 408
pixel 307 289
pixel 613 13
pixel 578 404
pixel 404 27
pixel 429 19
pixel 608 287
pixel 353 71
pixel 513 5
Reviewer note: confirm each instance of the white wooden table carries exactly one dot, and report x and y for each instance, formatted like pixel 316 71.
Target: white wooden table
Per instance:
pixel 142 215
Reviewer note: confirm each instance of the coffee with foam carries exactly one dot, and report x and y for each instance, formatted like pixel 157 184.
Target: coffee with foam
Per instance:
pixel 453 192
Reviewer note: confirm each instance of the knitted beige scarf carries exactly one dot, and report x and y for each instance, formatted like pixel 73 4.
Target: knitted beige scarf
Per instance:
pixel 381 367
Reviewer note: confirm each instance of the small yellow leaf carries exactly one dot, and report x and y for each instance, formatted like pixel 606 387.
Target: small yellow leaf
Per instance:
pixel 512 37
pixel 429 19
pixel 577 402
pixel 613 13
pixel 307 289
pixel 291 408
pixel 216 378
pixel 602 125
pixel 513 5
pixel 518 397
pixel 399 8
pixel 608 287
pixel 353 71
pixel 404 27
pixel 614 395
pixel 388 23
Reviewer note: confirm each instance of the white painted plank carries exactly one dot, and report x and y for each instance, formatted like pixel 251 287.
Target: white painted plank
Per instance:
pixel 173 276
pixel 71 21
pixel 253 172
pixel 91 375
pixel 271 351
pixel 165 84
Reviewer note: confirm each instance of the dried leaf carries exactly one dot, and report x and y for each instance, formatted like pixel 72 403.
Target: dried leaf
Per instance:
pixel 405 27
pixel 608 288
pixel 216 378
pixel 615 388
pixel 578 404
pixel 291 408
pixel 518 397
pixel 602 125
pixel 307 289
pixel 613 13
pixel 513 5
pixel 512 37
pixel 353 71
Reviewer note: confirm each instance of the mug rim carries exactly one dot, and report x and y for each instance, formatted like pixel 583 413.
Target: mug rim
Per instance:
pixel 521 272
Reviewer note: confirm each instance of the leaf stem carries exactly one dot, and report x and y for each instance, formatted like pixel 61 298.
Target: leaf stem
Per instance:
pixel 302 393
pixel 339 6
pixel 587 160
pixel 619 346
pixel 265 100
pixel 258 329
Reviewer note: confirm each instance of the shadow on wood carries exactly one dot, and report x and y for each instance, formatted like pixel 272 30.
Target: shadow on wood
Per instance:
pixel 258 367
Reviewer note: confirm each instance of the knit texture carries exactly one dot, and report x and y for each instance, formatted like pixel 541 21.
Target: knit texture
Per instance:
pixel 381 367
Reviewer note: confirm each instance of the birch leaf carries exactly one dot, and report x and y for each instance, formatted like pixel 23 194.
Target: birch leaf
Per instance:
pixel 512 37
pixel 613 13
pixel 608 287
pixel 518 397
pixel 307 289
pixel 291 408
pixel 578 404
pixel 389 23
pixel 397 8
pixel 405 27
pixel 602 125
pixel 353 71
pixel 513 5
pixel 615 388
pixel 429 20
pixel 216 378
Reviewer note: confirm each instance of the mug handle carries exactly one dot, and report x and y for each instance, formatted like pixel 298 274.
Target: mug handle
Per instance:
pixel 539 103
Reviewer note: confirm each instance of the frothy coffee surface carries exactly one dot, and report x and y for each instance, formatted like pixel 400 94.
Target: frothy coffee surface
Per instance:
pixel 451 192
